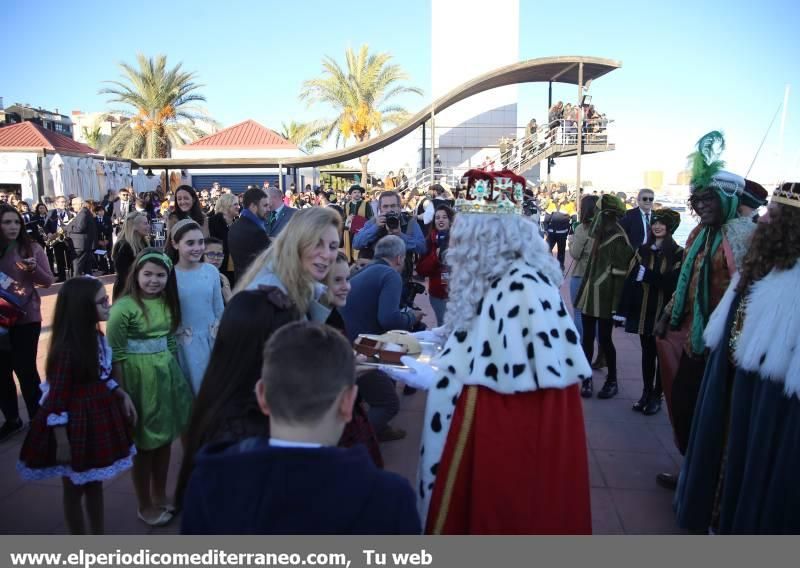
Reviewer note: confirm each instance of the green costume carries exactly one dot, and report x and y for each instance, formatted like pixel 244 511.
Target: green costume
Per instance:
pixel 608 264
pixel 146 350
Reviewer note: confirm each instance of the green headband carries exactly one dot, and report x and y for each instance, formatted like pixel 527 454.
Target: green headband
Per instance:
pixel 156 255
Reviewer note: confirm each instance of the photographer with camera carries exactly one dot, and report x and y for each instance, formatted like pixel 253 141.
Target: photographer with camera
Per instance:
pixel 391 220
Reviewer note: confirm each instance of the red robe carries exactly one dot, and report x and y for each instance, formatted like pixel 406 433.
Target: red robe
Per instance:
pixel 544 489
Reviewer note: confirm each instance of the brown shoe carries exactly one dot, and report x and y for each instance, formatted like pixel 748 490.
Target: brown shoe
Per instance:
pixel 390 434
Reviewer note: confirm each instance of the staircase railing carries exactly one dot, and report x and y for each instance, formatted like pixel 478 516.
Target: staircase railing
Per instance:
pixel 551 140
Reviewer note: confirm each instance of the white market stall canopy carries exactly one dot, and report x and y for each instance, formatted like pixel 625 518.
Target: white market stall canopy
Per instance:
pixel 45 163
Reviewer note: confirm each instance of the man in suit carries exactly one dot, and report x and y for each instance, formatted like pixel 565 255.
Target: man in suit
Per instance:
pixel 104 239
pixel 122 207
pixel 636 222
pixel 248 237
pixel 57 220
pixel 83 232
pixel 279 213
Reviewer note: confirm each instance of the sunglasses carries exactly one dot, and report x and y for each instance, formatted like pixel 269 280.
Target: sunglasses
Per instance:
pixel 648 198
pixel 701 200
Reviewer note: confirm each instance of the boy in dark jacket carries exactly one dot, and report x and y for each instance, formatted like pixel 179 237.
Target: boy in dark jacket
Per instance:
pixel 298 481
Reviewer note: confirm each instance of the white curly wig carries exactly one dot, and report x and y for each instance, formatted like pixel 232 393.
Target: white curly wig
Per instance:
pixel 482 248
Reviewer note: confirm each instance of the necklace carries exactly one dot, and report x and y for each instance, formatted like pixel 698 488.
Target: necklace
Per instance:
pixel 738 324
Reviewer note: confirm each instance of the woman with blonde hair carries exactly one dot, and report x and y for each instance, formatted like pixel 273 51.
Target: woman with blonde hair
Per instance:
pixel 299 259
pixel 226 212
pixel 135 238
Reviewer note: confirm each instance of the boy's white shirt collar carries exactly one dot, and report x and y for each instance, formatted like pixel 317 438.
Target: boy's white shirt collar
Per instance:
pixel 278 443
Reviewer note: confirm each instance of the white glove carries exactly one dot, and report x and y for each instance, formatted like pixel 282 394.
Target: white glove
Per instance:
pixel 418 375
pixel 437 335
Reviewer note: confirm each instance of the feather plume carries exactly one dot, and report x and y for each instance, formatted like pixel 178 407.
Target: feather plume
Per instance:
pixel 705 162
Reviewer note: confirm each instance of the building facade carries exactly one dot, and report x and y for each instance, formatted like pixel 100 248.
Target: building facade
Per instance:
pixel 50 120
pixel 470 130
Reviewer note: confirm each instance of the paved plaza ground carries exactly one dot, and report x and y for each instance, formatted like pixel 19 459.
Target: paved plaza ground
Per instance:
pixel 626 451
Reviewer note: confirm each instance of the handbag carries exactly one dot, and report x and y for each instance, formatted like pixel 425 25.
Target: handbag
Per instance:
pixel 12 295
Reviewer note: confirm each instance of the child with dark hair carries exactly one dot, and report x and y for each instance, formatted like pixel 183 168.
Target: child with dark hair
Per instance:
pixel 141 331
pixel 296 481
pixel 81 432
pixel 215 255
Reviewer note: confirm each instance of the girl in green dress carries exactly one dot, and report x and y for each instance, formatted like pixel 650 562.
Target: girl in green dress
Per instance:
pixel 141 334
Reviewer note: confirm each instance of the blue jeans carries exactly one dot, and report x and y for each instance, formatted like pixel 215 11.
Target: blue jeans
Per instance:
pixel 439 307
pixel 574 286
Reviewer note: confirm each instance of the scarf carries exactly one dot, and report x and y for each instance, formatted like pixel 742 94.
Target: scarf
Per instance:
pixel 708 239
pixel 259 222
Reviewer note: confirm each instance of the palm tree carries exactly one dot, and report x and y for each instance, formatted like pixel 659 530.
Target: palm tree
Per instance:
pixel 159 113
pixel 359 95
pixel 94 136
pixel 304 135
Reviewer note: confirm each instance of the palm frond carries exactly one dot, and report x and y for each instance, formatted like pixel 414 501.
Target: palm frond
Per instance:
pixel 159 104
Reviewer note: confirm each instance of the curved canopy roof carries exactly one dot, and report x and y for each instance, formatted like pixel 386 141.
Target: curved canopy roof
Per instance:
pixel 563 69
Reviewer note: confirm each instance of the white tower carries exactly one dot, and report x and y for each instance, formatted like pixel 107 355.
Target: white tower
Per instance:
pixel 469 38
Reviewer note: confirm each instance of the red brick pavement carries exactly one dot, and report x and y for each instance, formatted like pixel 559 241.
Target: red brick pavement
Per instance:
pixel 626 451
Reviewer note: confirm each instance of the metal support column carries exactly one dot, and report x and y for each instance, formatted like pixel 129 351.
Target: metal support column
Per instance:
pixel 580 139
pixel 166 177
pixel 280 178
pixel 433 140
pixel 549 106
pixel 422 161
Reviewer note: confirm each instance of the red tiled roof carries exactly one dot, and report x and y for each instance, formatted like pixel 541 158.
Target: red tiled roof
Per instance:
pixel 247 134
pixel 31 135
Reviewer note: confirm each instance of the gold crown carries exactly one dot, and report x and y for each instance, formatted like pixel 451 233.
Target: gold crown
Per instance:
pixel 498 193
pixel 787 194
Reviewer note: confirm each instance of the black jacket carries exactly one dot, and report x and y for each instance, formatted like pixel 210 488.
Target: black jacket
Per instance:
pixel 632 223
pixel 246 240
pixel 83 230
pixel 104 230
pixel 249 487
pixel 51 224
pixel 218 228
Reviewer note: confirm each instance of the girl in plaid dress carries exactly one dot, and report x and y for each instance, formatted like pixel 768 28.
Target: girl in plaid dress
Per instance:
pixel 82 431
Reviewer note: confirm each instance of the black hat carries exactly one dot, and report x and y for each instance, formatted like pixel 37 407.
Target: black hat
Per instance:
pixel 355 187
pixel 754 195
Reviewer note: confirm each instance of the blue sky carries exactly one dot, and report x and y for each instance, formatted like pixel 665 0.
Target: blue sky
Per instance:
pixel 688 67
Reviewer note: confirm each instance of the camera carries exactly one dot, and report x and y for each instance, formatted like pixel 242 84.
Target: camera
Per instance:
pixel 392 220
pixel 442 240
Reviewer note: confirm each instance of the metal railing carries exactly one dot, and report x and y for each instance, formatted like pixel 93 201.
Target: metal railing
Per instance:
pixel 551 140
pixel 555 138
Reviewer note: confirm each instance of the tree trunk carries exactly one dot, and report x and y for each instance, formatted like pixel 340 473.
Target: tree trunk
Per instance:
pixel 364 176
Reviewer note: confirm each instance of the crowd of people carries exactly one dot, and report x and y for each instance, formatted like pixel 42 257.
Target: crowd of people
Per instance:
pixel 207 341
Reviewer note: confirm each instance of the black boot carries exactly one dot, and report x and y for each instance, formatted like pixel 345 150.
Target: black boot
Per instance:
pixel 587 388
pixel 609 390
pixel 640 404
pixel 653 405
pixel 667 481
